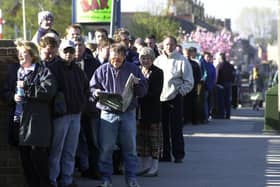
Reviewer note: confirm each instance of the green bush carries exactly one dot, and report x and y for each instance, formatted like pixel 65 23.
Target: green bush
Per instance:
pixel 272 115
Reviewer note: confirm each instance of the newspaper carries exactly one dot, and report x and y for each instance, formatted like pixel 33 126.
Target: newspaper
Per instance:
pixel 119 102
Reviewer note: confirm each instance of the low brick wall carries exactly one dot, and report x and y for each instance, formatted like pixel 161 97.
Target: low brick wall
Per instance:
pixel 10 168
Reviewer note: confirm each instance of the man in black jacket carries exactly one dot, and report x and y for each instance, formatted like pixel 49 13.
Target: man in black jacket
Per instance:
pixel 225 77
pixel 73 85
pixel 190 100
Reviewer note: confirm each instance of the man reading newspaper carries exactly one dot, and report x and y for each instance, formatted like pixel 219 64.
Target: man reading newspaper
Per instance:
pixel 118 116
pixel 119 102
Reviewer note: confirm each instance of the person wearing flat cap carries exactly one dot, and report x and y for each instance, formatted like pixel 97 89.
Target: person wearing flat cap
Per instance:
pixel 73 85
pixel 45 21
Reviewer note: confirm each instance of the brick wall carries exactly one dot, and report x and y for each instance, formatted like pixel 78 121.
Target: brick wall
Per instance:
pixel 10 167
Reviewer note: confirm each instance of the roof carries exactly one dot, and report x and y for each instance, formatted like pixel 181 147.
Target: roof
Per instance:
pixel 205 25
pixel 186 25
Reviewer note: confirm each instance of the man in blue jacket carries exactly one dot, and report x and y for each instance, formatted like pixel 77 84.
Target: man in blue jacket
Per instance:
pixel 117 126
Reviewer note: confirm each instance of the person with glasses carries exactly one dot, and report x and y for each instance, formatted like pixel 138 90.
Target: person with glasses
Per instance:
pixel 73 85
pixel 117 125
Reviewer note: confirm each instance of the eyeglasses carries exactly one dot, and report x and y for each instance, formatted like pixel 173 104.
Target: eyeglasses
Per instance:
pixel 69 50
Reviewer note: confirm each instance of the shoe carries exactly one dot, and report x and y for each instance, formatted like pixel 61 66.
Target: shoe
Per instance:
pixel 133 184
pixel 153 171
pixel 178 160
pixel 150 174
pixel 144 164
pixel 105 184
pixel 142 172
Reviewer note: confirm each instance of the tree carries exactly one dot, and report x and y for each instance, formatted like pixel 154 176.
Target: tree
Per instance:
pixel 143 24
pixel 12 13
pixel 259 22
pixel 221 41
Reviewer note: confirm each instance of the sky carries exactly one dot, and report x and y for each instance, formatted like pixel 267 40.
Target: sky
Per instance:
pixel 217 8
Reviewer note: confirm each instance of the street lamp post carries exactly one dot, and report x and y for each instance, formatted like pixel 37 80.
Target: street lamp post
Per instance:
pixel 1 23
pixel 279 57
pixel 24 19
pixel 113 18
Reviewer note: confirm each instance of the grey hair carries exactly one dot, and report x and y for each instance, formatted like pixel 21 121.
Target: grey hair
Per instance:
pixel 147 51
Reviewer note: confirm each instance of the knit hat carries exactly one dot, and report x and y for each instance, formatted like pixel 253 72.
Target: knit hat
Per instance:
pixel 147 51
pixel 44 15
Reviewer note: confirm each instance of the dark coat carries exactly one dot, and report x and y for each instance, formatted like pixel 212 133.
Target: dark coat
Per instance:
pixel 225 73
pixel 73 83
pixel 90 65
pixel 35 123
pixel 132 56
pixel 149 105
pixel 196 74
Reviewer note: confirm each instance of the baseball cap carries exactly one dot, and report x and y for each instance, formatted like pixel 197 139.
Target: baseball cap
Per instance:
pixel 66 44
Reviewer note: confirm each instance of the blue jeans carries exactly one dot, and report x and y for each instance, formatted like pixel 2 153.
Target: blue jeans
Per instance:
pixel 82 155
pixel 66 131
pixel 119 128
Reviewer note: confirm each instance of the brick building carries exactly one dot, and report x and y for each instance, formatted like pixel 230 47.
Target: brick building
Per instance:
pixel 10 166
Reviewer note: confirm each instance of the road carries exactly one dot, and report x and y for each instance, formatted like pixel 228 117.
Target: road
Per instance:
pixel 222 153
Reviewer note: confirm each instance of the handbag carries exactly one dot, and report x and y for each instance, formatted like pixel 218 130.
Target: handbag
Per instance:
pixel 59 107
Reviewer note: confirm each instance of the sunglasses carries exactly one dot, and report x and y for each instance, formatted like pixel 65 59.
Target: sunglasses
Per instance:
pixel 69 50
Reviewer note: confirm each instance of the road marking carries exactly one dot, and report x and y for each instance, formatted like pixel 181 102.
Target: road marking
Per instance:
pixel 226 135
pixel 253 118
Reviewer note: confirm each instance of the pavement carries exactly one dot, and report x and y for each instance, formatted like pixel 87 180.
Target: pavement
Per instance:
pixel 221 153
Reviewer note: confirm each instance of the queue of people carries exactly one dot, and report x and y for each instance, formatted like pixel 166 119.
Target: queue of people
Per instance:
pixel 60 119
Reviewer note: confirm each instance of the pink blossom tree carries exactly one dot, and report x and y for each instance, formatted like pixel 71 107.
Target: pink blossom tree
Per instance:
pixel 214 43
